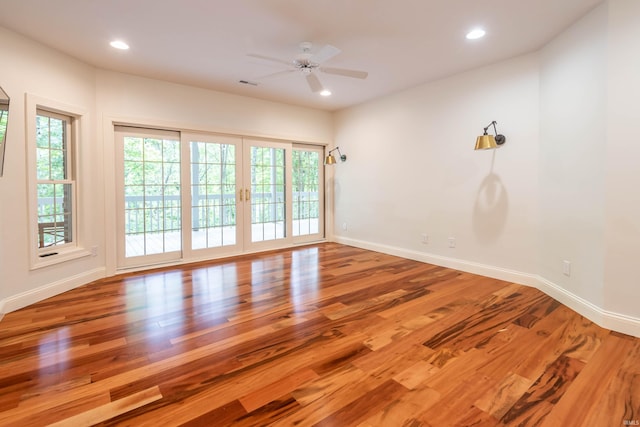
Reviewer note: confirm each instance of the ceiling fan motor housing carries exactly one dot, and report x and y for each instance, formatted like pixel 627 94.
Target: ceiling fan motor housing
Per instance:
pixel 303 60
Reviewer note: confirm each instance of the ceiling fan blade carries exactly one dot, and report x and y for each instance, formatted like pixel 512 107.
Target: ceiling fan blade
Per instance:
pixel 275 75
pixel 268 58
pixel 314 83
pixel 325 53
pixel 346 73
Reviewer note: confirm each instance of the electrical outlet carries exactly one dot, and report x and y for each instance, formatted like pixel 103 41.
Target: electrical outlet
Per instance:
pixel 452 242
pixel 566 268
pixel 424 238
pixel 94 251
pixel 344 226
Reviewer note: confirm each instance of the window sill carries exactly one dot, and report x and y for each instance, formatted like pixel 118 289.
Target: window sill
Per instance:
pixel 61 256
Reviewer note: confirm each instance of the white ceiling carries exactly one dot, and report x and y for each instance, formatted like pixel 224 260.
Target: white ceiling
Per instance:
pixel 205 43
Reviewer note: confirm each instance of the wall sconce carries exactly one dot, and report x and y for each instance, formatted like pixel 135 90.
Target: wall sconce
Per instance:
pixel 330 159
pixel 487 142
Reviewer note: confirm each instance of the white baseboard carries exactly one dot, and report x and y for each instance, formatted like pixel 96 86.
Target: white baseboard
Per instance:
pixel 16 302
pixel 456 264
pixel 607 319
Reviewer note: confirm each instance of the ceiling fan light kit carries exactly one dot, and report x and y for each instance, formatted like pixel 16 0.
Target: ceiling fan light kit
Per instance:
pixel 307 63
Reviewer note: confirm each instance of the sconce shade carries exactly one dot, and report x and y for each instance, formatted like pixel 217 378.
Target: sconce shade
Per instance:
pixel 489 142
pixel 330 160
pixel 486 142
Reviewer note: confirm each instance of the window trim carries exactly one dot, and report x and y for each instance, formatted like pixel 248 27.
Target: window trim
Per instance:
pixel 74 249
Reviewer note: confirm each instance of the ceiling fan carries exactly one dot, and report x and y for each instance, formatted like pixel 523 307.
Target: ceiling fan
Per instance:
pixel 306 63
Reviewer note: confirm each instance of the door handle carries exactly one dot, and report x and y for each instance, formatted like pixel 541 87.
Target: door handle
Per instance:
pixel 247 194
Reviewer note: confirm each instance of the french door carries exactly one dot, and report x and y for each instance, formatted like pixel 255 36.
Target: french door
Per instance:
pixel 195 196
pixel 214 212
pixel 267 182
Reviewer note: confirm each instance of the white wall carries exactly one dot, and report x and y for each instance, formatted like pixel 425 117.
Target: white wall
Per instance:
pixel 622 286
pixel 590 205
pixel 148 100
pixel 572 158
pixel 412 169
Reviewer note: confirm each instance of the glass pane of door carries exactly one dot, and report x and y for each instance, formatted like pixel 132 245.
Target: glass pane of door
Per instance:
pixel 307 192
pixel 151 221
pixel 214 191
pixel 268 197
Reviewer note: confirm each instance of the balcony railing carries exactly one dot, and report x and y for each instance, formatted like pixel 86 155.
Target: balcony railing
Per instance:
pixel 161 214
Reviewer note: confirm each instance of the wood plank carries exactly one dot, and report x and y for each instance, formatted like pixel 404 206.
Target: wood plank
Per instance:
pixel 405 410
pixel 497 401
pixel 538 401
pixel 277 389
pixel 111 409
pixel 367 404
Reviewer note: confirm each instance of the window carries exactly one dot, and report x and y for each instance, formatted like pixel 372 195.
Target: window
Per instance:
pixel 54 133
pixel 55 184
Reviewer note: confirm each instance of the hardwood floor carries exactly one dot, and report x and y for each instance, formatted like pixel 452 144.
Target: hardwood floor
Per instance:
pixel 325 335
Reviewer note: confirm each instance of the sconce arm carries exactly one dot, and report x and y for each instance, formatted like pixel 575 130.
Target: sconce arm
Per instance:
pixel 494 127
pixel 343 157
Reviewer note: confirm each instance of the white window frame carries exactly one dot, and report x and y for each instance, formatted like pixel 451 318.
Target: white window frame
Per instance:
pixel 43 257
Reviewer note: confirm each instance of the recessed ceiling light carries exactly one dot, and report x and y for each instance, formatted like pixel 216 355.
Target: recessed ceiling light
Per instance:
pixel 325 93
pixel 476 34
pixel 119 44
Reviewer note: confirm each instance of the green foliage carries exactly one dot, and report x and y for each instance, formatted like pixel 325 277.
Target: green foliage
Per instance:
pixel 51 151
pixel 306 177
pixel 213 184
pixel 4 117
pixel 152 185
